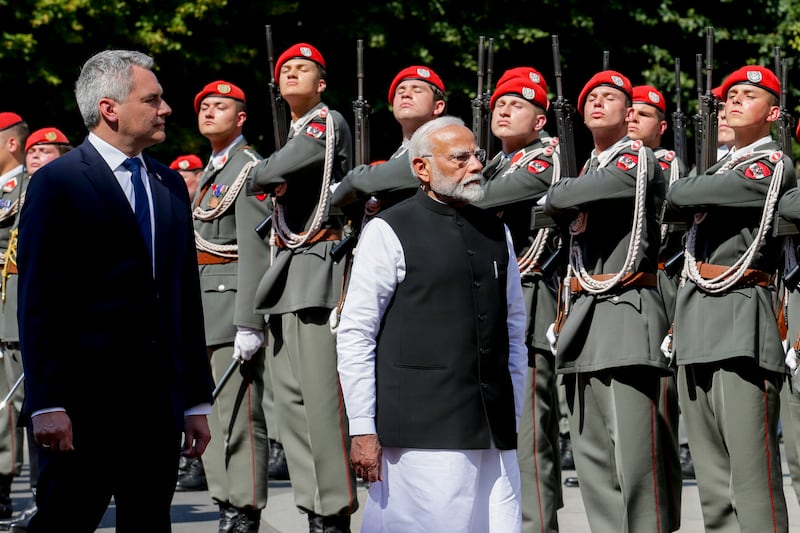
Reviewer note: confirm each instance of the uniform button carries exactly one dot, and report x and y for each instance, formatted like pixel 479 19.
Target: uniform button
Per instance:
pixel 481 317
pixel 460 222
pixel 484 351
pixel 221 287
pixel 615 299
pixel 470 252
pixel 484 385
pixel 476 283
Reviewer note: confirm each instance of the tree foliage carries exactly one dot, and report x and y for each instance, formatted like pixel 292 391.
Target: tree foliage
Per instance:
pixel 194 42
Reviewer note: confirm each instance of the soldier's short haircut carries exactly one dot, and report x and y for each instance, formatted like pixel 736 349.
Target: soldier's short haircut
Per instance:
pixel 20 130
pixel 108 74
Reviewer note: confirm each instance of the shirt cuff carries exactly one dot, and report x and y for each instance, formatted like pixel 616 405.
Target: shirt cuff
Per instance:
pixel 201 409
pixel 50 410
pixel 362 426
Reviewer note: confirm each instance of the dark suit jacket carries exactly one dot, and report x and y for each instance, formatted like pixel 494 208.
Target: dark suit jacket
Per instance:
pixel 99 335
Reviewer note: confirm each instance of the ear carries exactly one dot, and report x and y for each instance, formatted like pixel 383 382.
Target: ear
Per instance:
pixel 662 127
pixel 629 114
pixel 541 120
pixel 774 113
pixel 241 117
pixel 13 145
pixel 422 170
pixel 108 109
pixel 438 107
pixel 322 86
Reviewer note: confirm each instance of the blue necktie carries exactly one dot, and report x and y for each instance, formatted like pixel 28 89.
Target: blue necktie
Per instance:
pixel 142 208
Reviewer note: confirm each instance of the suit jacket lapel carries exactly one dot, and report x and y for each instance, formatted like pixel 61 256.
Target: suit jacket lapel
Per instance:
pixel 103 180
pixel 162 209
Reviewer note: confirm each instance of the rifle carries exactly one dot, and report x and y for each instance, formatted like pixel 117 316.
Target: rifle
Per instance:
pixel 279 121
pixel 606 59
pixel 480 104
pixel 785 122
pixel 679 118
pixel 707 112
pixel 563 111
pixel 361 109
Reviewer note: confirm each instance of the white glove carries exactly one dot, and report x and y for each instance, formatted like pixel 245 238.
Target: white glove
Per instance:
pixel 791 360
pixel 552 337
pixel 665 347
pixel 247 342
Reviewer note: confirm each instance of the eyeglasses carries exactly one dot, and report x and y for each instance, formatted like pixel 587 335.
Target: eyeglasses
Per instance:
pixel 462 158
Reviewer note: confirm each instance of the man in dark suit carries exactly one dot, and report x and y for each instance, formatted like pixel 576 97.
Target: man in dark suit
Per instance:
pixel 111 324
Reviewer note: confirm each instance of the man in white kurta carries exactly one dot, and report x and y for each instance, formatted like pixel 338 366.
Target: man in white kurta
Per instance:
pixel 431 351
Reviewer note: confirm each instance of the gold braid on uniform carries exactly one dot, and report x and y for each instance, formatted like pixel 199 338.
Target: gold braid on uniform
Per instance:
pixel 223 250
pixel 736 271
pixel 9 258
pixel 674 175
pixel 530 258
pixel 294 240
pixel 576 267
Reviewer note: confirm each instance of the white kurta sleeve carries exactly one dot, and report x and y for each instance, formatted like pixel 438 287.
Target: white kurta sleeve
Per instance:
pixel 378 267
pixel 517 352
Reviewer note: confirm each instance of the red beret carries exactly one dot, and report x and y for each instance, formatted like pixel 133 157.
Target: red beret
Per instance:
pixel 46 136
pixel 9 119
pixel 524 88
pixel 753 75
pixel 647 94
pixel 797 132
pixel 218 88
pixel 187 162
pixel 717 92
pixel 417 72
pixel 299 51
pixel 524 72
pixel 609 78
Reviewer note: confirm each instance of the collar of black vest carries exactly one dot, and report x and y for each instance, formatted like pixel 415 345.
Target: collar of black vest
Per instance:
pixel 435 205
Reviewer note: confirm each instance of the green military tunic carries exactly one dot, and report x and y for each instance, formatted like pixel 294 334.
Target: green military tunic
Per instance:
pixel 236 461
pixel 727 345
pixel 515 182
pixel 789 207
pixel 298 291
pixel 608 347
pixel 11 436
pixel 388 182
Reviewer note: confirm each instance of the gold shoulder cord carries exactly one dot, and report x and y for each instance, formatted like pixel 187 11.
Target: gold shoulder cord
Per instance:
pixel 9 257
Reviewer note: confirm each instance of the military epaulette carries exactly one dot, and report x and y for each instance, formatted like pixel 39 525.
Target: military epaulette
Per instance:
pixel 248 150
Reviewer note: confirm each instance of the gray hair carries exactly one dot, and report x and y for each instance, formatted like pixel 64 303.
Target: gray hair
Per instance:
pixel 107 74
pixel 420 142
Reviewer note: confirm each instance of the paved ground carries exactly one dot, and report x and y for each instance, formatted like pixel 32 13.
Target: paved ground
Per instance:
pixel 193 512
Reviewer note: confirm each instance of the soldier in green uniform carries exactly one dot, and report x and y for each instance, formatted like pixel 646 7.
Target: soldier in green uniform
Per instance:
pixel 789 208
pixel 417 95
pixel 300 289
pixel 726 340
pixel 648 123
pixel 13 134
pixel 611 319
pixel 518 176
pixel 224 220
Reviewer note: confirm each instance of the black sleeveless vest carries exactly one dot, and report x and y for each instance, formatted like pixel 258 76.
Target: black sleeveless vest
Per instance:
pixel 442 352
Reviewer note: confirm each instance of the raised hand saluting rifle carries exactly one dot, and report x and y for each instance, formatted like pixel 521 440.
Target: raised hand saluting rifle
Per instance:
pixel 481 126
